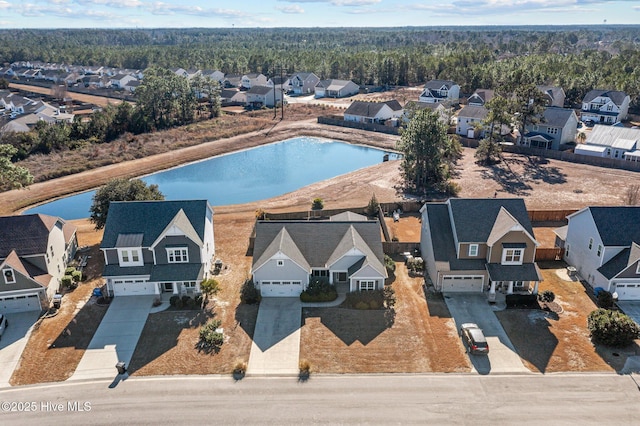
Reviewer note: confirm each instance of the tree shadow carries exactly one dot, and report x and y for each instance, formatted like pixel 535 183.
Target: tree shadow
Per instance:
pixel 537 169
pixel 509 181
pixel 246 316
pixel 351 325
pixel 517 174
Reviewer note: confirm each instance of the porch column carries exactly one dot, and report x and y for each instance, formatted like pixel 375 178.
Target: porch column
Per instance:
pixel 510 289
pixel 492 289
pixel 535 287
pixel 157 289
pixel 175 288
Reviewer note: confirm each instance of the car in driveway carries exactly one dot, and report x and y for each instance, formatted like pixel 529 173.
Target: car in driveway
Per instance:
pixel 474 339
pixel 4 323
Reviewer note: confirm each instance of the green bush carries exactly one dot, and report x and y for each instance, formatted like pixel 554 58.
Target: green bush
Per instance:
pixel 319 290
pixel 66 281
pixel 209 336
pixel 174 300
pixel 390 264
pixel 612 328
pixel 362 306
pixel 179 303
pixel 317 204
pixel 76 276
pixel 605 299
pixel 69 270
pixel 547 296
pixel 249 294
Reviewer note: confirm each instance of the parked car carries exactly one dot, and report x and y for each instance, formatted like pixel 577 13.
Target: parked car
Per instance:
pixel 474 339
pixel 4 323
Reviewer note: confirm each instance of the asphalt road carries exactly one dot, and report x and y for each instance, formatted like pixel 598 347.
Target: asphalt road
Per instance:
pixel 583 399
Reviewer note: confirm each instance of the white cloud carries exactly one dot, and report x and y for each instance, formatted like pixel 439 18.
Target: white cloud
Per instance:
pixel 4 5
pixel 337 2
pixel 294 9
pixel 111 3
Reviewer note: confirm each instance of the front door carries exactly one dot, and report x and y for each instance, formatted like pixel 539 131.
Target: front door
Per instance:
pixel 167 287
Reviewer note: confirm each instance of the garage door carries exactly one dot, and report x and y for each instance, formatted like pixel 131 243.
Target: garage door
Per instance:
pixel 280 288
pixel 28 302
pixel 628 291
pixel 458 283
pixel 133 287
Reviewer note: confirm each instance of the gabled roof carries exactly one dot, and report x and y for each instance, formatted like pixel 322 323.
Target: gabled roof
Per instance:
pixel 348 216
pixel 472 111
pixel 557 117
pixel 26 234
pixel 553 92
pixel 474 219
pixel 504 224
pixel 371 109
pixel 26 269
pixel 485 94
pixel 616 264
pixel 617 226
pixel 332 84
pixel 437 84
pixel 311 244
pixel 615 95
pixel 260 90
pixel 151 218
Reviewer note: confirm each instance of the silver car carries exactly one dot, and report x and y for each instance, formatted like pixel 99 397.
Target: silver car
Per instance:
pixel 474 339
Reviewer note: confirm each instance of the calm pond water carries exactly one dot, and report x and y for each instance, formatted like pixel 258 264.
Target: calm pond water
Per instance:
pixel 244 176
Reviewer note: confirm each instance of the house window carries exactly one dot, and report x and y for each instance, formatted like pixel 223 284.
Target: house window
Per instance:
pixel 512 257
pixel 599 250
pixel 590 243
pixel 9 277
pixel 638 268
pixel 52 253
pixel 566 250
pixel 178 255
pixel 473 250
pixel 320 273
pixel 129 257
pixel 280 263
pixel 367 285
pixel 518 285
pixel 553 130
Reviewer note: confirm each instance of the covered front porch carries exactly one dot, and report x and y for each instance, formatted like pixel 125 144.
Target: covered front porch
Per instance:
pixel 513 279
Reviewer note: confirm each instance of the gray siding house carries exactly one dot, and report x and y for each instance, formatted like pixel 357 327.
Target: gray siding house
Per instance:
pixel 155 247
pixel 345 250
pixel 557 126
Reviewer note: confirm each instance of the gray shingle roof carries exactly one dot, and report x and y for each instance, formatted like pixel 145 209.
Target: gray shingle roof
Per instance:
pixel 618 226
pixel 26 234
pixel 472 111
pixel 437 84
pixel 371 109
pixel 150 218
pixel 615 95
pixel 557 117
pixel 474 219
pixel 524 272
pixel 260 90
pixel 616 264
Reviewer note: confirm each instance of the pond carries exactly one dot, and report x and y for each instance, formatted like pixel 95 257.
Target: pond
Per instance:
pixel 244 176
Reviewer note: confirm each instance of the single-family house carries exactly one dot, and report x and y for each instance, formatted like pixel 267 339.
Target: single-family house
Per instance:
pixel 612 142
pixel 554 95
pixel 440 91
pixel 35 250
pixel 335 89
pixel 303 83
pixel 252 79
pixel 480 97
pixel 470 121
pixel 234 97
pixel 373 112
pixel 346 250
pixel 231 81
pixel 605 106
pixel 557 126
pixel 157 247
pixel 132 85
pixel 602 244
pixel 213 75
pixel 478 245
pixel 259 96
pixel 442 109
pixel 120 81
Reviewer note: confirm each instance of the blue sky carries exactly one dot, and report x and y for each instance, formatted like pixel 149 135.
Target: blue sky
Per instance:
pixel 310 13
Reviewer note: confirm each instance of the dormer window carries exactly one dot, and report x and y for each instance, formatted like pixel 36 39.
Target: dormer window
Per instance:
pixel 9 276
pixel 178 255
pixel 130 257
pixel 512 256
pixel 473 250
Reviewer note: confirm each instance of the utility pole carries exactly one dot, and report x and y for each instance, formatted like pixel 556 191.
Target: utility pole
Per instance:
pixel 275 99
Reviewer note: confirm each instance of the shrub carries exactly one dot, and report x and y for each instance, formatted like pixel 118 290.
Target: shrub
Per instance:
pixel 362 305
pixel 317 204
pixel 190 303
pixel 373 206
pixel 390 264
pixel 69 270
pixel 209 337
pixel 319 290
pixel 66 281
pixel 185 300
pixel 547 296
pixel 76 276
pixel 174 300
pixel 240 368
pixel 249 294
pixel 605 299
pixel 415 264
pixel 209 287
pixel 612 328
pixel 452 188
pixel 179 303
pixel 304 367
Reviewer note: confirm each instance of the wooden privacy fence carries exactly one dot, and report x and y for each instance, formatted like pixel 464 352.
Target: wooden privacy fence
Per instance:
pixel 373 127
pixel 394 247
pixel 550 215
pixel 555 253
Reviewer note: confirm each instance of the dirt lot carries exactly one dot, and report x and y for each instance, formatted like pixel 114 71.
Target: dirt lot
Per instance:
pixel 57 344
pixel 551 342
pixel 96 100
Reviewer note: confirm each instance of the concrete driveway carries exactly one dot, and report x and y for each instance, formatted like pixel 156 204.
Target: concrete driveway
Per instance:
pixel 631 308
pixel 14 339
pixel 502 356
pixel 116 337
pixel 275 349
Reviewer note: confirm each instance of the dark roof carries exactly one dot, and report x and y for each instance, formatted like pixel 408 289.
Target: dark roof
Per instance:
pixel 260 90
pixel 616 264
pixel 617 226
pixel 150 218
pixel 474 218
pixel 114 270
pixel 177 272
pixel 542 135
pixel 437 84
pixel 557 117
pixel 615 95
pixel 472 111
pixel 444 249
pixel 485 94
pixel 371 109
pixel 26 234
pixel 524 272
pixel 317 240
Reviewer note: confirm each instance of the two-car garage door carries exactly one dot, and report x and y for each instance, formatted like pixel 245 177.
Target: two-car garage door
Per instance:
pixel 628 291
pixel 462 283
pixel 22 303
pixel 133 287
pixel 280 288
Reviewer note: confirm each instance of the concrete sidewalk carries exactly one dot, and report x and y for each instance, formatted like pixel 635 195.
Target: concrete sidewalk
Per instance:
pixel 116 337
pixel 275 349
pixel 13 342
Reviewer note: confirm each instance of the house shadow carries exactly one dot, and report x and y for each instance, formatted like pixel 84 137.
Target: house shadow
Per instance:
pixel 528 331
pixel 353 325
pixel 80 329
pixel 436 304
pixel 246 316
pixel 623 360
pixel 168 324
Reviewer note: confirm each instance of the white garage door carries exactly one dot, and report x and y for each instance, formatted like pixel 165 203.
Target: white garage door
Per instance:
pixel 280 288
pixel 628 291
pixel 133 287
pixel 11 304
pixel 458 283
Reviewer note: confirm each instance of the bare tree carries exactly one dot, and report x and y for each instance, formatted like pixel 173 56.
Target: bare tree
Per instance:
pixel 632 195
